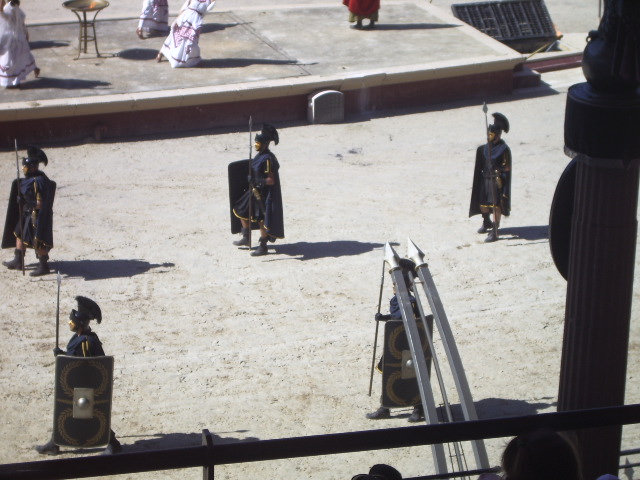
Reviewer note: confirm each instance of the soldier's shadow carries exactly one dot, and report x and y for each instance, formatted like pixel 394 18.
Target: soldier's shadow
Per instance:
pixel 501 407
pixel 334 249
pixel 103 269
pixel 162 441
pixel 533 232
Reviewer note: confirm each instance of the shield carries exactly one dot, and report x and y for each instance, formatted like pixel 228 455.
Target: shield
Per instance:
pixel 82 410
pixel 399 384
pixel 560 218
pixel 237 173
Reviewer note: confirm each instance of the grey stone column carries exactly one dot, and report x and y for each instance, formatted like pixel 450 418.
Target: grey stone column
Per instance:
pixel 597 251
pixel 599 295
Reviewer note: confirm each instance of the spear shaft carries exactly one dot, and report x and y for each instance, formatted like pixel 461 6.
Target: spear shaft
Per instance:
pixel 250 183
pixel 59 280
pixel 375 337
pixel 15 144
pixel 489 167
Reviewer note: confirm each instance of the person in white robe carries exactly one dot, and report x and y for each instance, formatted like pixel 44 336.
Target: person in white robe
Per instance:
pixel 154 19
pixel 16 60
pixel 181 46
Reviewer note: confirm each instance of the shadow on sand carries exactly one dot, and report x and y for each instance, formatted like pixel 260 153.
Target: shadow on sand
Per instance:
pixel 162 441
pixel 334 249
pixel 103 269
pixel 537 232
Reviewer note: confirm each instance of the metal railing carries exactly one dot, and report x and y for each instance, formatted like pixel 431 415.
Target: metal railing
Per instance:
pixel 208 455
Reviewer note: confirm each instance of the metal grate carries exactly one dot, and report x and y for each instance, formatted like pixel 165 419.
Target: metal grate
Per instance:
pixel 524 25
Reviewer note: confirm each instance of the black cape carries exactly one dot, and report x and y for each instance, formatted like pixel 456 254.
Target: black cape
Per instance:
pixel 43 231
pixel 271 209
pixel 500 154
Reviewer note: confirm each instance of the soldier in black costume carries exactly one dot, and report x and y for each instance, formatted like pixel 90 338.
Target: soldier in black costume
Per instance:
pixel 395 313
pixel 264 195
pixel 492 171
pixel 34 198
pixel 83 343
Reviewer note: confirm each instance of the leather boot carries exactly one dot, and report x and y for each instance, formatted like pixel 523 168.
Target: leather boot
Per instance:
pixel 416 415
pixel 487 224
pixel 492 237
pixel 262 248
pixel 43 266
pixel 382 412
pixel 16 263
pixel 48 448
pixel 113 447
pixel 244 240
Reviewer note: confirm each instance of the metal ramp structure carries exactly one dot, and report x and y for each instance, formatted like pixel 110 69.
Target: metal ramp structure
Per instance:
pixel 422 276
pixel 524 25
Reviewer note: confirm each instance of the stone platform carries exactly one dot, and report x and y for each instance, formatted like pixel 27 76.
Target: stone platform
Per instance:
pixel 259 61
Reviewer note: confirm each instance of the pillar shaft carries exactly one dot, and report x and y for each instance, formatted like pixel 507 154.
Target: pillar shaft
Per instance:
pixel 599 296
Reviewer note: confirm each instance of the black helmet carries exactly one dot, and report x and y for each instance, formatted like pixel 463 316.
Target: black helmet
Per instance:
pixel 500 123
pixel 34 156
pixel 268 134
pixel 87 310
pixel 407 266
pixel 384 472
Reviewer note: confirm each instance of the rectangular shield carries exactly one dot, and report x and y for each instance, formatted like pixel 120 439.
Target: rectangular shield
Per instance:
pixel 238 184
pixel 399 385
pixel 82 410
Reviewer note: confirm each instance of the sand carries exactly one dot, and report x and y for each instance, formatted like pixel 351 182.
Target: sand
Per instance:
pixel 205 336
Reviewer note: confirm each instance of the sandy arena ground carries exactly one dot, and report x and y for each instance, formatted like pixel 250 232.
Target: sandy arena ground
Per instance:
pixel 205 336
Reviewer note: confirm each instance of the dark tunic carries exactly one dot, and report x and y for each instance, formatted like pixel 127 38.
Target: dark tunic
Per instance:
pixel 85 345
pixel 38 229
pixel 395 312
pixel 269 208
pixel 483 178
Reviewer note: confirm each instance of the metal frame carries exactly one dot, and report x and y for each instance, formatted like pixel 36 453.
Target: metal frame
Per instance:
pixel 450 347
pixel 417 355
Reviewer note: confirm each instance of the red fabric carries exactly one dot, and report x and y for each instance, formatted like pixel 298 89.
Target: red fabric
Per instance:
pixel 362 8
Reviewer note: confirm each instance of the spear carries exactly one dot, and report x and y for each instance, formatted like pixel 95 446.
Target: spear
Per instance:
pixel 489 169
pixel 375 337
pixel 59 280
pixel 15 143
pixel 250 183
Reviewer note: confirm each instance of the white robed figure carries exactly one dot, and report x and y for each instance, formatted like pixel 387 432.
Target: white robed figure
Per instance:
pixel 154 18
pixel 16 60
pixel 181 46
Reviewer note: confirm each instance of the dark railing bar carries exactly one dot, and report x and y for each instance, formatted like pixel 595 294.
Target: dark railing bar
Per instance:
pixel 282 448
pixel 633 451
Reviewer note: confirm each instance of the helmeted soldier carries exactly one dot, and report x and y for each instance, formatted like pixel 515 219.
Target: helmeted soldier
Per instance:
pixel 29 221
pixel 492 179
pixel 83 343
pixel 263 198
pixel 395 313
